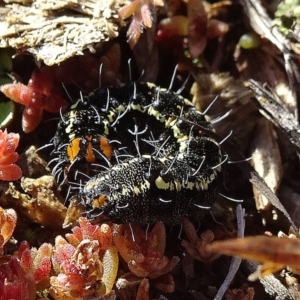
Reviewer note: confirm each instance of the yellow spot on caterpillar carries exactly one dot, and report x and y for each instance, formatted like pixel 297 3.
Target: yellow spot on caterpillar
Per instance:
pixel 161 184
pixel 136 190
pixel 90 185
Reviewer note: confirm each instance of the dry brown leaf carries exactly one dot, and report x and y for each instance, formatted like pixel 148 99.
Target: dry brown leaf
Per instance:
pixel 275 253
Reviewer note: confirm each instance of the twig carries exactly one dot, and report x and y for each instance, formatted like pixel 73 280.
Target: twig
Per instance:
pixel 235 261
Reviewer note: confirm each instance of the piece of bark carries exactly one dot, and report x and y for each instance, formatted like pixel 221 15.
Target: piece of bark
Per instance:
pixel 266 160
pixel 53 32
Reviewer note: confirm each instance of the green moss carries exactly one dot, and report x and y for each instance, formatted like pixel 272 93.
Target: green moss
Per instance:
pixel 287 16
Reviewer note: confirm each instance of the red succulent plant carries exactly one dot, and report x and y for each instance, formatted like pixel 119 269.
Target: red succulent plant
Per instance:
pixel 8 156
pixel 86 265
pixel 14 283
pixel 35 262
pixel 144 254
pixel 8 221
pixel 37 96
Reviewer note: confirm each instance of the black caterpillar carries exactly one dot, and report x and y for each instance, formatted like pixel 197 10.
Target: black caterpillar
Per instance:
pixel 153 165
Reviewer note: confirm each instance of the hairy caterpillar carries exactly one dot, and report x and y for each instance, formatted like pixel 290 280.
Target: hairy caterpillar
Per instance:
pixel 153 166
